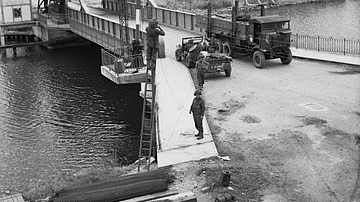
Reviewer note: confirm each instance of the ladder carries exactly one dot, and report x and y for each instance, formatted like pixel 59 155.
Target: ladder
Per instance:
pixel 148 120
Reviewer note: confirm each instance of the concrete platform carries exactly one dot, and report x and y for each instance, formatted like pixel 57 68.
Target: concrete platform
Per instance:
pixel 124 78
pixel 176 130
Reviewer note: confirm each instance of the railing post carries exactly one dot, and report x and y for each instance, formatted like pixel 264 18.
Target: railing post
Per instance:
pixel 192 22
pixel 297 41
pixel 177 19
pixel 344 46
pixel 318 43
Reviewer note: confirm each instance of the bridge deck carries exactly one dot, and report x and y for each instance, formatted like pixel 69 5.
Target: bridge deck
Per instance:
pixel 176 128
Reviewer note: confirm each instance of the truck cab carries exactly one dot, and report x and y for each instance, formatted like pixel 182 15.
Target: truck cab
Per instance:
pixel 271 36
pixel 271 31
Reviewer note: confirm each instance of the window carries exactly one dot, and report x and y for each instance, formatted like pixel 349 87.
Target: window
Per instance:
pixel 17 12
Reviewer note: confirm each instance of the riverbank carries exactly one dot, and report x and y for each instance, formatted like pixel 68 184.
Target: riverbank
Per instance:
pixel 222 6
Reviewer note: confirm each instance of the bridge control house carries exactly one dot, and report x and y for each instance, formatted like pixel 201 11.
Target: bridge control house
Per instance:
pixel 14 15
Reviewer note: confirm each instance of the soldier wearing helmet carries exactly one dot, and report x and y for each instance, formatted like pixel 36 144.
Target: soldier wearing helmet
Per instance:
pixel 153 32
pixel 201 66
pixel 198 110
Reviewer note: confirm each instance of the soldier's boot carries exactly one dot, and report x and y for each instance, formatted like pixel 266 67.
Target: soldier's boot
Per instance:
pixel 197 135
pixel 201 135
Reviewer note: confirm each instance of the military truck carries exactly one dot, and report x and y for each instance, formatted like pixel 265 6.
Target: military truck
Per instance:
pixel 260 37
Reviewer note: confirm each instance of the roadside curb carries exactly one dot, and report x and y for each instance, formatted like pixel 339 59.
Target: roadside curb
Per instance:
pixel 327 60
pixel 325 57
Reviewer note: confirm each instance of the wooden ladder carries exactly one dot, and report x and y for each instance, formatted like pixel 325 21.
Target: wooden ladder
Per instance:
pixel 148 120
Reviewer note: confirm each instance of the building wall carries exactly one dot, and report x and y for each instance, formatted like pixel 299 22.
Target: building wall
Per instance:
pixel 15 11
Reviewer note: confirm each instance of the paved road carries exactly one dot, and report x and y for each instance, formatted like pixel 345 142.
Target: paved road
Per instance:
pixel 311 106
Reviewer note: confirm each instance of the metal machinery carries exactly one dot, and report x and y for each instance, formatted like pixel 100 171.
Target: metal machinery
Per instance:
pixel 260 37
pixel 57 6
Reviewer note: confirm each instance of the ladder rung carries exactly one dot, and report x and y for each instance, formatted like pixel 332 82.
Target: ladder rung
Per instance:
pixel 146 141
pixel 146 149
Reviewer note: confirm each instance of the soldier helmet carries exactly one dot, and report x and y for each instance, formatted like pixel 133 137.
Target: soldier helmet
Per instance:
pixel 197 92
pixel 153 23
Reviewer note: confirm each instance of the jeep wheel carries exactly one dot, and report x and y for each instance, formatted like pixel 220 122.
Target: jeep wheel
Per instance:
pixel 259 59
pixel 187 62
pixel 287 58
pixel 227 49
pixel 227 73
pixel 178 55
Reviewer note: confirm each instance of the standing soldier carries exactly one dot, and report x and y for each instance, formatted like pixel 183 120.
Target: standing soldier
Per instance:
pixel 213 46
pixel 201 67
pixel 198 109
pixel 153 32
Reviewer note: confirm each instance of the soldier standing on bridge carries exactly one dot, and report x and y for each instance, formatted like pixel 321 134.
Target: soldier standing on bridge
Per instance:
pixel 153 32
pixel 198 110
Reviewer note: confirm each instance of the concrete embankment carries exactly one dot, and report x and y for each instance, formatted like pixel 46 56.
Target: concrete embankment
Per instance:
pixel 286 2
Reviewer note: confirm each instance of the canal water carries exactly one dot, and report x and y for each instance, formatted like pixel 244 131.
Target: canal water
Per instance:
pixel 336 18
pixel 59 114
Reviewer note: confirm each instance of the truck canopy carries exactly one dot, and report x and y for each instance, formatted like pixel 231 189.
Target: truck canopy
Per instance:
pixel 268 19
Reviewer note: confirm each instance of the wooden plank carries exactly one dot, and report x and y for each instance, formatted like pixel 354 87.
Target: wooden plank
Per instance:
pixel 183 197
pixel 12 198
pixel 151 196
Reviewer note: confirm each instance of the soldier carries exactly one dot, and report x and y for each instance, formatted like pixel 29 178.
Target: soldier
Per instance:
pixel 201 67
pixel 198 109
pixel 213 46
pixel 192 51
pixel 153 32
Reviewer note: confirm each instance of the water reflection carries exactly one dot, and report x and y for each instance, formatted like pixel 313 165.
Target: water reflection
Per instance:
pixel 338 19
pixel 58 113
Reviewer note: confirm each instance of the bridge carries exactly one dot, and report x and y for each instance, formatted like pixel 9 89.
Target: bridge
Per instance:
pixel 175 129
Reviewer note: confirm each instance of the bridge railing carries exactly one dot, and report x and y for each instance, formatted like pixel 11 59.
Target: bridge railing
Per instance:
pixel 175 18
pixel 328 44
pixel 119 62
pixel 99 30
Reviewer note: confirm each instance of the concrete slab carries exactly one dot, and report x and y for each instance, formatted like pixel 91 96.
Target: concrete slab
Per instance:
pixel 176 130
pixel 124 78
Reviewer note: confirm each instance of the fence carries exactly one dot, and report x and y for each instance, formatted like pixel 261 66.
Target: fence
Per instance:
pixel 119 60
pixel 329 44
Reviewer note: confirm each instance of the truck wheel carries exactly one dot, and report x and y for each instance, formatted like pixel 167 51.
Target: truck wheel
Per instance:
pixel 227 49
pixel 178 55
pixel 220 45
pixel 287 58
pixel 259 59
pixel 228 73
